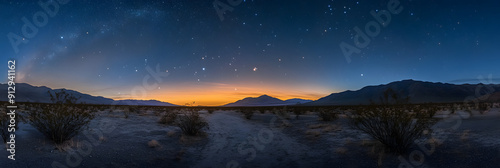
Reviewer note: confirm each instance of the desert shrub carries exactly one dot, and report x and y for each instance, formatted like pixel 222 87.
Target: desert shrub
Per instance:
pixel 168 118
pixel 248 113
pixel 62 120
pixel 153 144
pixel 283 113
pixel 453 110
pixel 191 123
pixel 134 109
pixel 483 107
pixel 126 114
pixel 298 112
pixel 392 125
pixel 327 115
pixel 210 111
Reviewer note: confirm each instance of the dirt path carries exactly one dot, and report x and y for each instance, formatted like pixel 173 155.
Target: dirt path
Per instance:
pixel 234 140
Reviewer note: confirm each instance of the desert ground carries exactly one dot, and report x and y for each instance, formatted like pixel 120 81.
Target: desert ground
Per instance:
pixel 119 139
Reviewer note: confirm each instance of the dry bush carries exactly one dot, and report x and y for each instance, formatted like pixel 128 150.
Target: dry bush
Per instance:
pixel 247 112
pixel 465 136
pixel 341 150
pixel 63 120
pixel 102 139
pixel 283 113
pixel 171 133
pixel 178 156
pixel 330 128
pixel 315 126
pixel 298 112
pixel 315 133
pixel 327 115
pixel 168 118
pixel 191 123
pixel 393 127
pixel 210 111
pixel 153 144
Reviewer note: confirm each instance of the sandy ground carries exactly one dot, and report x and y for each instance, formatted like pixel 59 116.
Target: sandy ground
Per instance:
pixel 265 140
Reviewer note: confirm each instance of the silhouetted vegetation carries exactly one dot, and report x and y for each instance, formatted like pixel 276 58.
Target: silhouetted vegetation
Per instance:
pixel 168 118
pixel 394 126
pixel 62 120
pixel 248 113
pixel 327 115
pixel 282 112
pixel 191 123
pixel 298 112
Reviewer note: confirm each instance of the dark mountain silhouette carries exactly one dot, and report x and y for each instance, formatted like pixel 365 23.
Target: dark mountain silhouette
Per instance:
pixel 39 94
pixel 265 100
pixel 143 103
pixel 417 91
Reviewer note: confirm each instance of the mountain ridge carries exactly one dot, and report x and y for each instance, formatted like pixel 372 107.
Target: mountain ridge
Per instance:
pixel 417 91
pixel 40 94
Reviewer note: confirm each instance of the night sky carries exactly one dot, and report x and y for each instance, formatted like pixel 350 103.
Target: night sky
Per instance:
pixel 286 49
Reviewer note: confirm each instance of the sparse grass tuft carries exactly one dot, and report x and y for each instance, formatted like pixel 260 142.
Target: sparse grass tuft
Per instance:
pixel 153 144
pixel 171 133
pixel 315 133
pixel 465 136
pixel 178 156
pixel 341 150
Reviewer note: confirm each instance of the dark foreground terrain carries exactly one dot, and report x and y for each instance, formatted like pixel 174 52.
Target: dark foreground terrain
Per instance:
pixel 117 138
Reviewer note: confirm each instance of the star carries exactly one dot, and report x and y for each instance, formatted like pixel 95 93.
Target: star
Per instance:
pixel 254 69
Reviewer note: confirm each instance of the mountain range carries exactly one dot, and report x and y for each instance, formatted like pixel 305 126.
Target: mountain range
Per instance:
pixel 40 94
pixel 416 91
pixel 266 100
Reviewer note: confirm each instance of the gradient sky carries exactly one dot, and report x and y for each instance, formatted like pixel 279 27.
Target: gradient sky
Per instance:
pixel 286 49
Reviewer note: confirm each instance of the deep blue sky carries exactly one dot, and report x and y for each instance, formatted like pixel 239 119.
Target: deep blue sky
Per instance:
pixel 282 48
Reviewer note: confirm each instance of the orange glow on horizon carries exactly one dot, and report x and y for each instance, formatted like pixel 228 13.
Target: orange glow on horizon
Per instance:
pixel 202 93
pixel 216 94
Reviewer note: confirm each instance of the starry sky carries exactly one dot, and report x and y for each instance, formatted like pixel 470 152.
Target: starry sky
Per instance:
pixel 216 52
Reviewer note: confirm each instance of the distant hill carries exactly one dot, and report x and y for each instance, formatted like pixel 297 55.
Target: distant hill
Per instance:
pixel 417 91
pixel 265 100
pixel 143 103
pixel 40 94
